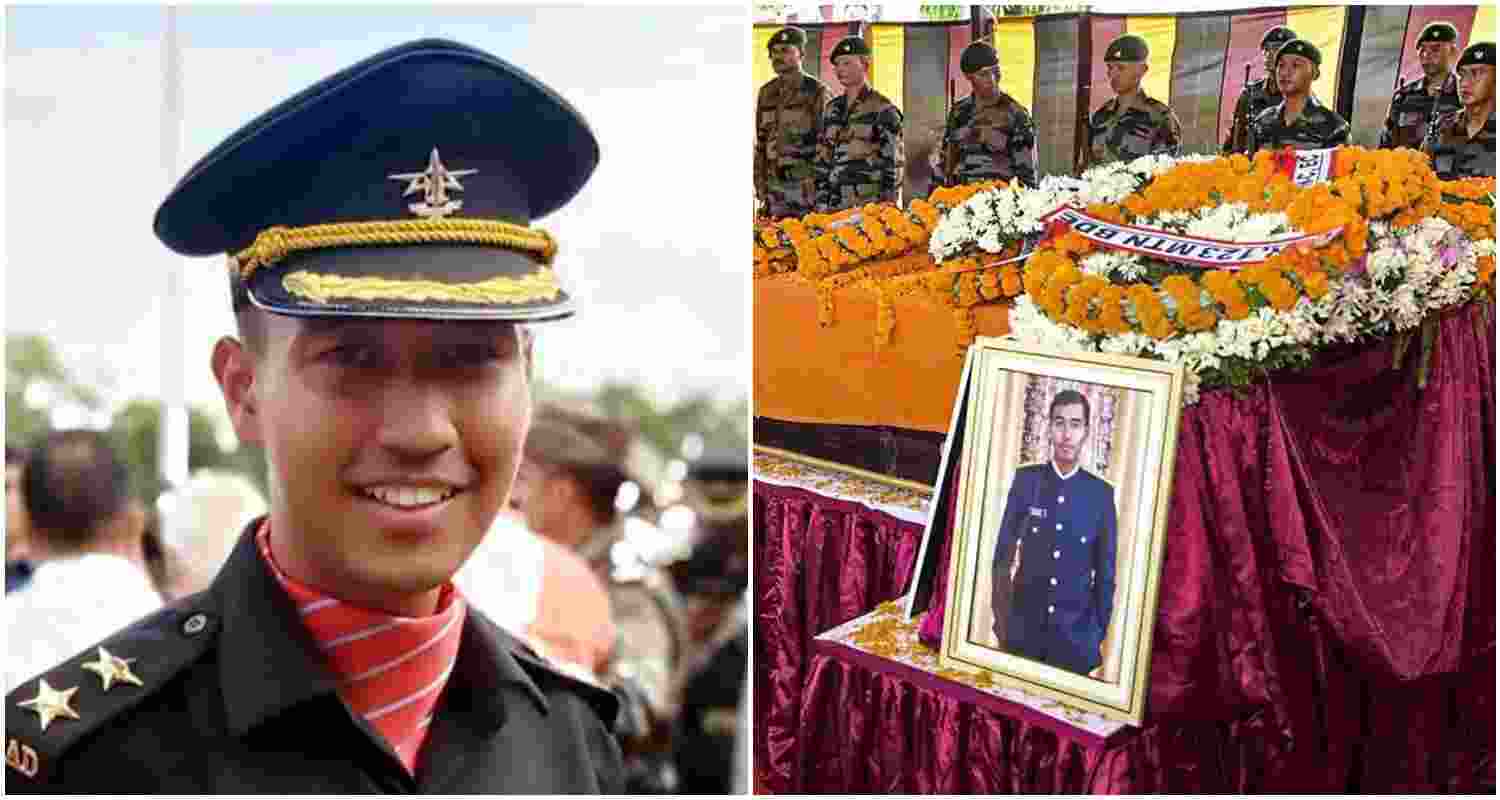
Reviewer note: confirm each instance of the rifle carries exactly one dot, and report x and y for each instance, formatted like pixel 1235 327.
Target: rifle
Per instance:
pixel 1235 124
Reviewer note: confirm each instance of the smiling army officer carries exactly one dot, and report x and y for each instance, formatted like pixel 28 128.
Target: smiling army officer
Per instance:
pixel 382 266
pixel 1130 124
pixel 1057 540
pixel 861 155
pixel 1461 143
pixel 1258 96
pixel 788 119
pixel 1419 101
pixel 989 136
pixel 1299 120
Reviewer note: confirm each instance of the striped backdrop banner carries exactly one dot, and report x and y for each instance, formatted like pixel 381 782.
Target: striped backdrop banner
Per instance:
pixel 1160 33
pixel 888 60
pixel 1198 79
pixel 1324 27
pixel 760 60
pixel 1484 25
pixel 1015 42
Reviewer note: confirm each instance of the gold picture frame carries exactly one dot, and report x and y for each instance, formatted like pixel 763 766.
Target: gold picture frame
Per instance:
pixel 1037 586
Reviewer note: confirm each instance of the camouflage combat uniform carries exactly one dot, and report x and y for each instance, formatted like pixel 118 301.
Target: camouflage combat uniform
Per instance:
pixel 1413 110
pixel 1116 134
pixel 1316 127
pixel 986 141
pixel 788 119
pixel 1454 154
pixel 1255 98
pixel 861 157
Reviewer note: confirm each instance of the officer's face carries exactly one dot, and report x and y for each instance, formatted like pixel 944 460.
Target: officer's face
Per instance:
pixel 1435 57
pixel 850 70
pixel 1476 84
pixel 786 59
pixel 1069 428
pixel 985 82
pixel 391 443
pixel 1124 77
pixel 1295 74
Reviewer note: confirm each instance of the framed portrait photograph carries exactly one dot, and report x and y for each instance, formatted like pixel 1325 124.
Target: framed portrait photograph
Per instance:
pixel 1065 474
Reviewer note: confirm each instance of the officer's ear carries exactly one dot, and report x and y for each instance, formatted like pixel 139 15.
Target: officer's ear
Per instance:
pixel 234 367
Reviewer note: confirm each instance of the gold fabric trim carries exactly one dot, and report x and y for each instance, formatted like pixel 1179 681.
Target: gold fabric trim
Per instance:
pixel 276 243
pixel 318 288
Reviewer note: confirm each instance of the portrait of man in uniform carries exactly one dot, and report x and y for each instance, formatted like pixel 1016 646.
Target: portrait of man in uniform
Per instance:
pixel 1053 573
pixel 1064 474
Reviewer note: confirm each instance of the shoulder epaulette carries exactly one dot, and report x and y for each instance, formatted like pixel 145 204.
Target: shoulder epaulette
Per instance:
pixel 49 714
pixel 603 701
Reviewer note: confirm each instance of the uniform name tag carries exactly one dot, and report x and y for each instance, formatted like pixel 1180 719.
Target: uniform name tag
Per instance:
pixel 21 758
pixel 1038 512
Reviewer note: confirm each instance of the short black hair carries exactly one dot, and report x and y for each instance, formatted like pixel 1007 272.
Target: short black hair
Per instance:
pixel 73 482
pixel 1069 397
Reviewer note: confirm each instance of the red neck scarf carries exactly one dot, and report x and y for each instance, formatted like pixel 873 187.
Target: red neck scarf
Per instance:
pixel 391 669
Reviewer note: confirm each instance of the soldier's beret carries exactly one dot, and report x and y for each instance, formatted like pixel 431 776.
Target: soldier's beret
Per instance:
pixel 791 35
pixel 1277 36
pixel 1438 32
pixel 403 186
pixel 1477 53
pixel 849 46
pixel 1301 47
pixel 977 56
pixel 1129 49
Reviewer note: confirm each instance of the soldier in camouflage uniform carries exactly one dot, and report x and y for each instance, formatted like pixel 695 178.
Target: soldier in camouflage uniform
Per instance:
pixel 1130 124
pixel 1299 120
pixel 1459 144
pixel 861 157
pixel 989 136
pixel 1258 96
pixel 788 119
pixel 1420 101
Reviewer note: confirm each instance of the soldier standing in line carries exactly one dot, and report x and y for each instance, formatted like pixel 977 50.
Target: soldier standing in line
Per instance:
pixel 1418 102
pixel 1461 143
pixel 1130 124
pixel 1299 120
pixel 861 156
pixel 788 119
pixel 989 136
pixel 1258 96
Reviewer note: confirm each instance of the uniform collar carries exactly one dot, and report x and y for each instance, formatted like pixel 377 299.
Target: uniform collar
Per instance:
pixel 1074 471
pixel 268 662
pixel 1312 103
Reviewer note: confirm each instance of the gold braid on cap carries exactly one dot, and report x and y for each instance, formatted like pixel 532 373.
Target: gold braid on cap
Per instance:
pixel 275 243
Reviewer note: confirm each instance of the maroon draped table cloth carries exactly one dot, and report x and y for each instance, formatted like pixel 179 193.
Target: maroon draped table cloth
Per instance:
pixel 1326 618
pixel 819 562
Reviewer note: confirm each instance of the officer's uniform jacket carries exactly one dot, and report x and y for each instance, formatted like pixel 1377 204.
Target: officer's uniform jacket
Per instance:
pixel 237 699
pixel 1454 153
pixel 1413 111
pixel 1315 128
pixel 1116 134
pixel 788 120
pixel 1255 98
pixel 861 155
pixel 988 141
pixel 1063 593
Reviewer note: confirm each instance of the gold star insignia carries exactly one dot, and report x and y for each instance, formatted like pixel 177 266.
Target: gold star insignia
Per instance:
pixel 112 668
pixel 49 703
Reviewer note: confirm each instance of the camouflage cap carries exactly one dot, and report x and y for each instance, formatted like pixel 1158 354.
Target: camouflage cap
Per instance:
pixel 977 56
pixel 1437 32
pixel 1300 47
pixel 1127 49
pixel 1277 36
pixel 1477 53
pixel 791 35
pixel 849 46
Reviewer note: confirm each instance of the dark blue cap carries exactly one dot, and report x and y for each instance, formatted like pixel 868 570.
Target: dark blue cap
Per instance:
pixel 403 186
